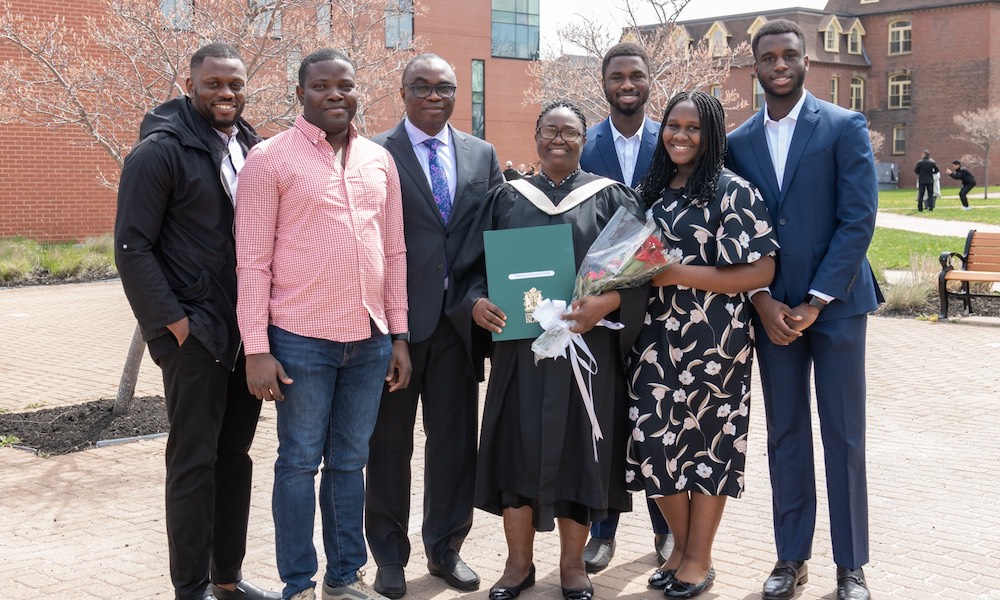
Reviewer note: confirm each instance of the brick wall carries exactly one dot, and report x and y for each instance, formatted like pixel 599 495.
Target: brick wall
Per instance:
pixel 50 189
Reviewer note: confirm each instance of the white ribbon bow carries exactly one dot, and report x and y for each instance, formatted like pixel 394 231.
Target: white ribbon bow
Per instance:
pixel 554 342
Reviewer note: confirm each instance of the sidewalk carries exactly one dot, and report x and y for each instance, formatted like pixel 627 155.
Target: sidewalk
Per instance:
pixel 90 525
pixel 931 226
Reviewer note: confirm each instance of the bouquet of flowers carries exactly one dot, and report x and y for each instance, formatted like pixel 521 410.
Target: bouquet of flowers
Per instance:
pixel 627 253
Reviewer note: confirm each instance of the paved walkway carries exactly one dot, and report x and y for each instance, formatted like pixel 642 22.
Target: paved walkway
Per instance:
pixel 931 226
pixel 90 525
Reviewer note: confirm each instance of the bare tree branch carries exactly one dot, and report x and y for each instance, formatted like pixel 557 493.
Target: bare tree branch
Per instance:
pixel 982 129
pixel 676 63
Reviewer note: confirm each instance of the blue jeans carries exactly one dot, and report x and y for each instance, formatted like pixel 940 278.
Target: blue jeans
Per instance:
pixel 328 414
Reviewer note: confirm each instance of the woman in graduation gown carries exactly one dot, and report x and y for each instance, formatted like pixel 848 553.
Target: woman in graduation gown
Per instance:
pixel 536 463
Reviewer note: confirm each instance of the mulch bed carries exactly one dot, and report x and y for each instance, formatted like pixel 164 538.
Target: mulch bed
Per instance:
pixel 78 427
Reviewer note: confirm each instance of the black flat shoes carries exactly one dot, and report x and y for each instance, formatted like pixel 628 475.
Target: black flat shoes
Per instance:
pixel 582 594
pixel 498 592
pixel 682 589
pixel 660 578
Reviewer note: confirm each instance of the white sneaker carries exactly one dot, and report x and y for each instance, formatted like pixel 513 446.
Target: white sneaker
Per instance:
pixel 307 594
pixel 358 590
pixel 966 208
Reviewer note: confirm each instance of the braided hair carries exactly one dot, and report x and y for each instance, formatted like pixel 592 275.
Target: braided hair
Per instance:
pixel 551 106
pixel 701 185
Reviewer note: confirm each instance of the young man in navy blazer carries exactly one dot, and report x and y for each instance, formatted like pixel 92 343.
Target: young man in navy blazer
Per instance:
pixel 813 163
pixel 621 148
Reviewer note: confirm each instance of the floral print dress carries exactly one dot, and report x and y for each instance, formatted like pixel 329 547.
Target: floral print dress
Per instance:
pixel 689 370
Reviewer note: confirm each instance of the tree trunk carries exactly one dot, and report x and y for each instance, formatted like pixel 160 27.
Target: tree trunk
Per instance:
pixel 130 374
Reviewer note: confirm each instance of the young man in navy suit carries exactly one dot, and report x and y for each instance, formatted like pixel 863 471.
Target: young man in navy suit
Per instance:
pixel 444 175
pixel 813 163
pixel 621 148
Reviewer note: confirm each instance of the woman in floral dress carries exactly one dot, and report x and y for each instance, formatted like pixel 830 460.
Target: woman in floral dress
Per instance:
pixel 689 370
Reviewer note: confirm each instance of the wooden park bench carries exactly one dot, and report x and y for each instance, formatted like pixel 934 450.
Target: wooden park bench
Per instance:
pixel 980 263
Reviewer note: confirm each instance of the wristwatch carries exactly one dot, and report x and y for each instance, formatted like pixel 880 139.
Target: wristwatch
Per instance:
pixel 816 301
pixel 401 336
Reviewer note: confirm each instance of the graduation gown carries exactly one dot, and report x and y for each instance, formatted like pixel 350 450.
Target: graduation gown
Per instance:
pixel 536 447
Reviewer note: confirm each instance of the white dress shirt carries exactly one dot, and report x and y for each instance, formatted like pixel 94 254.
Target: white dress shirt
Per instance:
pixel 445 154
pixel 779 138
pixel 233 163
pixel 627 149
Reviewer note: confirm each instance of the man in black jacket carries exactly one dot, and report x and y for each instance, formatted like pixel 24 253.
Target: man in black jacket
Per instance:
pixel 176 254
pixel 968 181
pixel 925 170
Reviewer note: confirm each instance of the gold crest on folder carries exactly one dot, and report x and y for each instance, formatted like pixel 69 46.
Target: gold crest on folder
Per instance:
pixel 532 298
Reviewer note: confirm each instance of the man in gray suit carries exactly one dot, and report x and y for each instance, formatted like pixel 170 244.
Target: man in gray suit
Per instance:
pixel 444 175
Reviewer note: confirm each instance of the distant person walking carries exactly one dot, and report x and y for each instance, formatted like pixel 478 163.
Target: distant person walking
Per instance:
pixel 925 170
pixel 968 181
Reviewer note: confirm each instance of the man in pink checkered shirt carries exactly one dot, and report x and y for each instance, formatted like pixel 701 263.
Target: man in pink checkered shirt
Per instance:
pixel 321 267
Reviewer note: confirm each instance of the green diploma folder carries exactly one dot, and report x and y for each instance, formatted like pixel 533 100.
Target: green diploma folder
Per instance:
pixel 525 266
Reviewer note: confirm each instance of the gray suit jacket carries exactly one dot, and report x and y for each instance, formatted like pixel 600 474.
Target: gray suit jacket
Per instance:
pixel 430 244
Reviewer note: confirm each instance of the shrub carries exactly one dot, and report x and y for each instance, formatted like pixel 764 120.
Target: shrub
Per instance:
pixel 912 289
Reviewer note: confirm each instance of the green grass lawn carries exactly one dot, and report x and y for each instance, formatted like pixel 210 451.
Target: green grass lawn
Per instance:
pixel 949 208
pixel 896 249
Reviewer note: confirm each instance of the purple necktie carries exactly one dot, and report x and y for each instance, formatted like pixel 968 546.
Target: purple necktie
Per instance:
pixel 439 181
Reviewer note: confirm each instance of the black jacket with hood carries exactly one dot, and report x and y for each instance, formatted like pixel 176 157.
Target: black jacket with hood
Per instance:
pixel 174 242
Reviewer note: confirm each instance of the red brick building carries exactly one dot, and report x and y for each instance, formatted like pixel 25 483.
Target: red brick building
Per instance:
pixel 908 65
pixel 50 178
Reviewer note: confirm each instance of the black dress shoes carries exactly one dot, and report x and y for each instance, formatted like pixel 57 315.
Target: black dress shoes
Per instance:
pixel 498 592
pixel 660 578
pixel 681 589
pixel 851 584
pixel 454 571
pixel 244 591
pixel 597 554
pixel 390 581
pixel 785 577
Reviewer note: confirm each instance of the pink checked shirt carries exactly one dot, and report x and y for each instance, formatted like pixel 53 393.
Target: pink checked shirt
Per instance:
pixel 319 248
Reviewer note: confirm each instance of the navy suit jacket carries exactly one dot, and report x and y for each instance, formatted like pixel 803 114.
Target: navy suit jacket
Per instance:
pixel 824 213
pixel 599 156
pixel 430 244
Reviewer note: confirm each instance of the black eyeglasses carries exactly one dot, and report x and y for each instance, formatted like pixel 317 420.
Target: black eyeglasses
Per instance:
pixel 422 90
pixel 549 132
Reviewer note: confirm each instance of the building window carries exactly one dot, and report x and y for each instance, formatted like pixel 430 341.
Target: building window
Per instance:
pixel 854 41
pixel 717 43
pixel 399 24
pixel 831 39
pixel 178 13
pixel 899 91
pixel 716 91
pixel 834 88
pixel 899 139
pixel 857 94
pixel 266 20
pixel 479 98
pixel 899 37
pixel 758 94
pixel 515 29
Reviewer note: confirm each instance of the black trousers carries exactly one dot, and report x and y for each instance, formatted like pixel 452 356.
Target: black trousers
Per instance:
pixel 963 194
pixel 446 386
pixel 213 419
pixel 929 189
